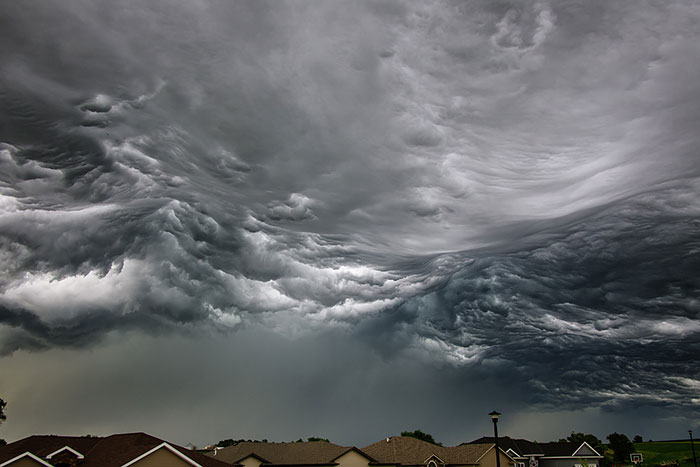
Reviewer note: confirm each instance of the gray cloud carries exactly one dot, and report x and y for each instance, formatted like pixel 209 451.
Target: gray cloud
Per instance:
pixel 499 190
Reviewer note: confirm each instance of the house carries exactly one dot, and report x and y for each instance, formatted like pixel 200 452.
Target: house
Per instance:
pixel 532 454
pixel 407 451
pixel 311 453
pixel 122 450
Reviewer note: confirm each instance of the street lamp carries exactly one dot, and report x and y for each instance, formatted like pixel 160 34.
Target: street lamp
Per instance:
pixel 695 461
pixel 494 417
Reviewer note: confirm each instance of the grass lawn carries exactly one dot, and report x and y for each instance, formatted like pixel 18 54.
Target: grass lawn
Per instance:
pixel 656 453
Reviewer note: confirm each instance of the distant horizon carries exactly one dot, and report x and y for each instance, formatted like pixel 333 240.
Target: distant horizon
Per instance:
pixel 306 439
pixel 241 440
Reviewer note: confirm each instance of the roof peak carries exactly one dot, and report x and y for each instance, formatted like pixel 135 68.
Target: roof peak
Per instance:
pixel 283 443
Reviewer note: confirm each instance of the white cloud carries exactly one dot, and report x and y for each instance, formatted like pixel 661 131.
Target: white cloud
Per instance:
pixel 57 300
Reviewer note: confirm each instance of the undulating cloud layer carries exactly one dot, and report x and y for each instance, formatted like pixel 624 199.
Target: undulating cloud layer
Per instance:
pixel 506 190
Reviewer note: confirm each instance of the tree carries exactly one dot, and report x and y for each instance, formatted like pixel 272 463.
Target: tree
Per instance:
pixel 621 445
pixel 579 438
pixel 226 442
pixel 232 442
pixel 420 435
pixel 316 438
pixel 637 439
pixel 3 417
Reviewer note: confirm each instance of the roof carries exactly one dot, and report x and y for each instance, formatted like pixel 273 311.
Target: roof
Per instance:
pixel 42 446
pixel 559 449
pixel 529 448
pixel 411 451
pixel 522 446
pixel 110 451
pixel 307 453
pixel 568 449
pixel 29 455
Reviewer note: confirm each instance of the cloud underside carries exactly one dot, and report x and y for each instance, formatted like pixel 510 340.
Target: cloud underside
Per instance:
pixel 504 189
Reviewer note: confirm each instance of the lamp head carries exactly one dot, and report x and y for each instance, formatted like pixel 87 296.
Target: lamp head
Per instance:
pixel 494 416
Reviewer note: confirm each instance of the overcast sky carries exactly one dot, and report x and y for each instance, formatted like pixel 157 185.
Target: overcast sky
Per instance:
pixel 277 220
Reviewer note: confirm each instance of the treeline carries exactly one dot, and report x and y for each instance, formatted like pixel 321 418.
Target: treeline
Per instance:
pixel 617 450
pixel 232 442
pixel 3 417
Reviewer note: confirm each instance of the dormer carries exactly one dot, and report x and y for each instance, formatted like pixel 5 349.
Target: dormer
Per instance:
pixel 65 457
pixel 434 461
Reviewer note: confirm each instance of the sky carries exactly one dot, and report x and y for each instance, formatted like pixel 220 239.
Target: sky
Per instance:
pixel 284 219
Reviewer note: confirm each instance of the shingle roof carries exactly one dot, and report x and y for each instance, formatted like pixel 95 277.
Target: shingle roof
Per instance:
pixel 307 453
pixel 110 451
pixel 521 446
pixel 411 451
pixel 559 449
pixel 42 446
pixel 525 447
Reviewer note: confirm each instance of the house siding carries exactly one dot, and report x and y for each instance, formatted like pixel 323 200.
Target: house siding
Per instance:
pixel 161 458
pixel 568 462
pixel 585 451
pixel 250 461
pixel 352 459
pixel 489 459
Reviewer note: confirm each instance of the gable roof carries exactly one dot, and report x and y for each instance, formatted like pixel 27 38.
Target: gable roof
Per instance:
pixel 433 458
pixel 524 448
pixel 260 458
pixel 26 454
pixel 583 446
pixel 43 445
pixel 360 452
pixel 568 450
pixel 411 451
pixel 110 451
pixel 306 453
pixel 167 447
pixel 66 448
pixel 520 446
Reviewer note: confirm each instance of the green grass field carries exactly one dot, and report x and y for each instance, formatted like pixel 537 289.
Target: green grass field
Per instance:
pixel 657 453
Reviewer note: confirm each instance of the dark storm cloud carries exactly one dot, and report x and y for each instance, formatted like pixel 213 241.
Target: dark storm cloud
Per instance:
pixel 504 189
pixel 604 313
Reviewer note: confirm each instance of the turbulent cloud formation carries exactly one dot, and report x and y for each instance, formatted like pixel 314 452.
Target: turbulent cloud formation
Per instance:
pixel 505 189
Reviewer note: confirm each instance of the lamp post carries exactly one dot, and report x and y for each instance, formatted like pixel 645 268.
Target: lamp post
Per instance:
pixel 494 417
pixel 695 461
